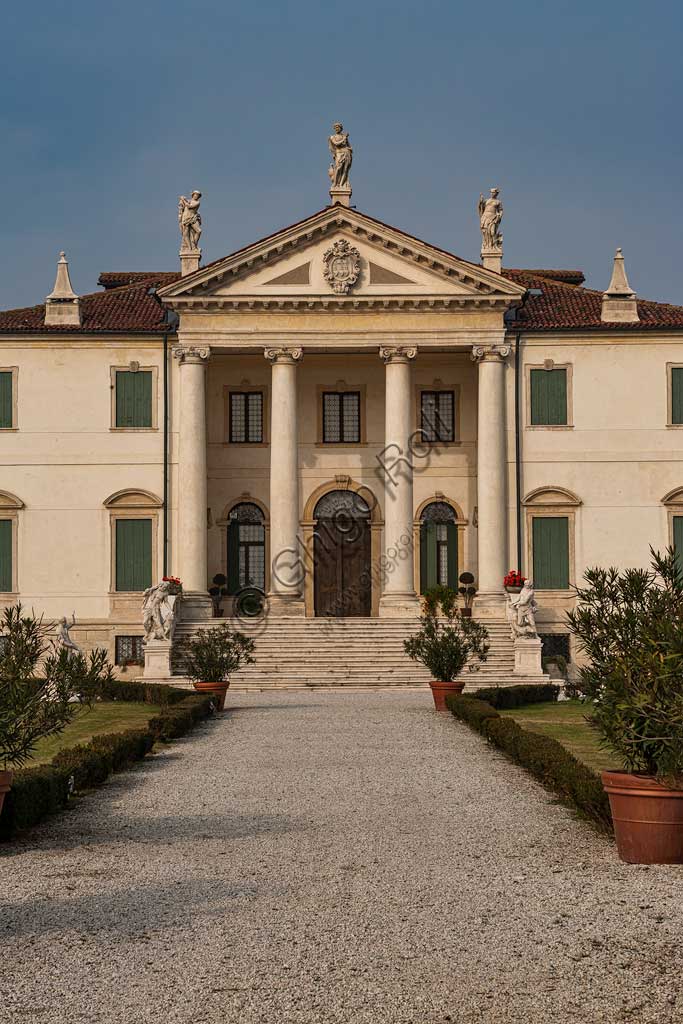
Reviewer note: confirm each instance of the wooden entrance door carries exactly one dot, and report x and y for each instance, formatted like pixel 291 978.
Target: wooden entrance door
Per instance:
pixel 342 583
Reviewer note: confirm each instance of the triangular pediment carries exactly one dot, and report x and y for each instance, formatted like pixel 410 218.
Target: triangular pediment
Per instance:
pixel 340 255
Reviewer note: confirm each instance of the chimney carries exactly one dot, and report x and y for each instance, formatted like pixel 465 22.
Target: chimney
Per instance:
pixel 62 306
pixel 619 301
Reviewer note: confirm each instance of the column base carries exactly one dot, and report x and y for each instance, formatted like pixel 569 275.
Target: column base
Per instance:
pixel 195 605
pixel 157 660
pixel 399 606
pixel 490 605
pixel 288 605
pixel 528 660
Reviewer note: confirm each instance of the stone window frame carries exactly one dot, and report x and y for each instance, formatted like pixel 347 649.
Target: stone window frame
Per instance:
pixel 10 507
pixel 113 370
pixel 461 523
pixel 549 364
pixel 340 386
pixel 438 384
pixel 14 370
pixel 247 389
pixel 669 396
pixel 132 503
pixel 546 503
pixel 673 503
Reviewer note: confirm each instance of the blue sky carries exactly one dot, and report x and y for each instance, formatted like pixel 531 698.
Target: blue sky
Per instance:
pixel 109 111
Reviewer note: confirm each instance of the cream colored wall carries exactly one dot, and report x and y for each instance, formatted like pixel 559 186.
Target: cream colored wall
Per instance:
pixel 63 461
pixel 619 457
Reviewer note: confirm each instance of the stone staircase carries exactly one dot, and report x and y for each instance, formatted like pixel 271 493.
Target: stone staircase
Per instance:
pixel 353 652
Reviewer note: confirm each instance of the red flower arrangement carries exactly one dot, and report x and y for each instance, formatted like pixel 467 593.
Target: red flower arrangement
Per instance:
pixel 514 579
pixel 177 585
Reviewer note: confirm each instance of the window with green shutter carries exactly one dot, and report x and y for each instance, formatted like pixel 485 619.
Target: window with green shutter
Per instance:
pixel 678 540
pixel 548 397
pixel 6 402
pixel 133 554
pixel 677 394
pixel 5 556
pixel 550 541
pixel 133 398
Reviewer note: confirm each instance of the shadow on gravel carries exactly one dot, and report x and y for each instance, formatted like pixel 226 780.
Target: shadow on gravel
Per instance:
pixel 274 707
pixel 132 910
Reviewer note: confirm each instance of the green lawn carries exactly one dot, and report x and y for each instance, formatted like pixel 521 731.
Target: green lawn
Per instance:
pixel 566 722
pixel 109 716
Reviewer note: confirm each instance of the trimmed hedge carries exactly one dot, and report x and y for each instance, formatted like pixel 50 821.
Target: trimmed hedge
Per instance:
pixel 505 697
pixel 44 790
pixel 544 757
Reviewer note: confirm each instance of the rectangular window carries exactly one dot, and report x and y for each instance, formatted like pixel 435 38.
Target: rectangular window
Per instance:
pixel 129 649
pixel 133 398
pixel 133 554
pixel 555 644
pixel 246 417
pixel 677 530
pixel 677 394
pixel 437 416
pixel 550 539
pixel 5 556
pixel 548 397
pixel 341 417
pixel 6 399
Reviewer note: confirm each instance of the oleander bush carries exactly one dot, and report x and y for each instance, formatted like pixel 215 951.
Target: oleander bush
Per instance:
pixel 544 757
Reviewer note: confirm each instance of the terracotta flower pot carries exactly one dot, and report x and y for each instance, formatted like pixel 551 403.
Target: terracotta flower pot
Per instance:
pixel 217 690
pixel 5 786
pixel 442 690
pixel 648 818
pixel 466 613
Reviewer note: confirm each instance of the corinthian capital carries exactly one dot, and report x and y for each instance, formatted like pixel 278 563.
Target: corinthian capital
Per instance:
pixel 490 353
pixel 191 353
pixel 397 353
pixel 283 355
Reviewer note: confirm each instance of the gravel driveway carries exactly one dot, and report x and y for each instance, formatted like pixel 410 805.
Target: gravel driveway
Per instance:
pixel 327 857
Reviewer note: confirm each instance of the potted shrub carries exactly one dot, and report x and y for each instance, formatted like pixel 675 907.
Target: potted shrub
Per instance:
pixel 630 627
pixel 467 591
pixel 31 707
pixel 211 655
pixel 513 581
pixel 445 642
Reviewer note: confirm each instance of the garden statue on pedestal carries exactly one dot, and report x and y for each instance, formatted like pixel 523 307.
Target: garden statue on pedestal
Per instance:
pixel 521 612
pixel 63 635
pixel 159 616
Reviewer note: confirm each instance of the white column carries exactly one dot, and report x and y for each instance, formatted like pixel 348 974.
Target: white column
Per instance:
pixel 398 596
pixel 491 476
pixel 287 562
pixel 192 484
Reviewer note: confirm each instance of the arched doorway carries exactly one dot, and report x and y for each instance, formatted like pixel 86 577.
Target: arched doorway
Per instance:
pixel 342 555
pixel 438 546
pixel 246 548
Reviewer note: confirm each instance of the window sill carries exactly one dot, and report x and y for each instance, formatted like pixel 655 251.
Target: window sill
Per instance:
pixel 341 444
pixel 554 593
pixel 133 430
pixel 8 430
pixel 550 426
pixel 243 444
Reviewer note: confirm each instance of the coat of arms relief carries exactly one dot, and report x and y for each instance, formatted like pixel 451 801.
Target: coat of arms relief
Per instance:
pixel 342 266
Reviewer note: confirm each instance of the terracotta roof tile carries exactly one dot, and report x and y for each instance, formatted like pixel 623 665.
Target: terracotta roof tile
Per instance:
pixel 113 279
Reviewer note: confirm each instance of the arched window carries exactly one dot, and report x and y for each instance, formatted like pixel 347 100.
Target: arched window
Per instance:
pixel 438 546
pixel 246 548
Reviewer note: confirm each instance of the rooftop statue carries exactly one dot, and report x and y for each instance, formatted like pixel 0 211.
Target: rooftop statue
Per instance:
pixel 342 157
pixel 190 221
pixel 490 216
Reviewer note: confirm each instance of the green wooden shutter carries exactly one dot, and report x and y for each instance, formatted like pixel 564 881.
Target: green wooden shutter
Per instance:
pixel 5 555
pixel 548 397
pixel 428 567
pixel 678 540
pixel 233 556
pixel 6 399
pixel 550 537
pixel 677 394
pixel 452 553
pixel 133 398
pixel 133 554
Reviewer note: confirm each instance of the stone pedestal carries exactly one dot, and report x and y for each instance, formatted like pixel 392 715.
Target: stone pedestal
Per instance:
pixel 341 196
pixel 492 259
pixel 189 260
pixel 528 656
pixel 157 660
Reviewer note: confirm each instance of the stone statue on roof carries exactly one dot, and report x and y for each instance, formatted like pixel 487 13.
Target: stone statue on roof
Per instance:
pixel 342 157
pixel 190 221
pixel 490 216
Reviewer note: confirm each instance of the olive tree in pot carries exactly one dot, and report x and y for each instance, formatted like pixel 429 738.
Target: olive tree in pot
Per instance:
pixel 445 642
pixel 211 655
pixel 31 707
pixel 630 627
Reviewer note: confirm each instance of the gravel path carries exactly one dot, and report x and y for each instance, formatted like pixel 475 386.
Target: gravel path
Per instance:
pixel 326 857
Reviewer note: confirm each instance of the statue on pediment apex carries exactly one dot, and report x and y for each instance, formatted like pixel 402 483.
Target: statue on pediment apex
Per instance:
pixel 190 221
pixel 342 156
pixel 490 216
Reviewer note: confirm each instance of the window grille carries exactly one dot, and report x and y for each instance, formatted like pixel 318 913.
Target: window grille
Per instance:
pixel 554 644
pixel 246 417
pixel 341 417
pixel 129 649
pixel 437 416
